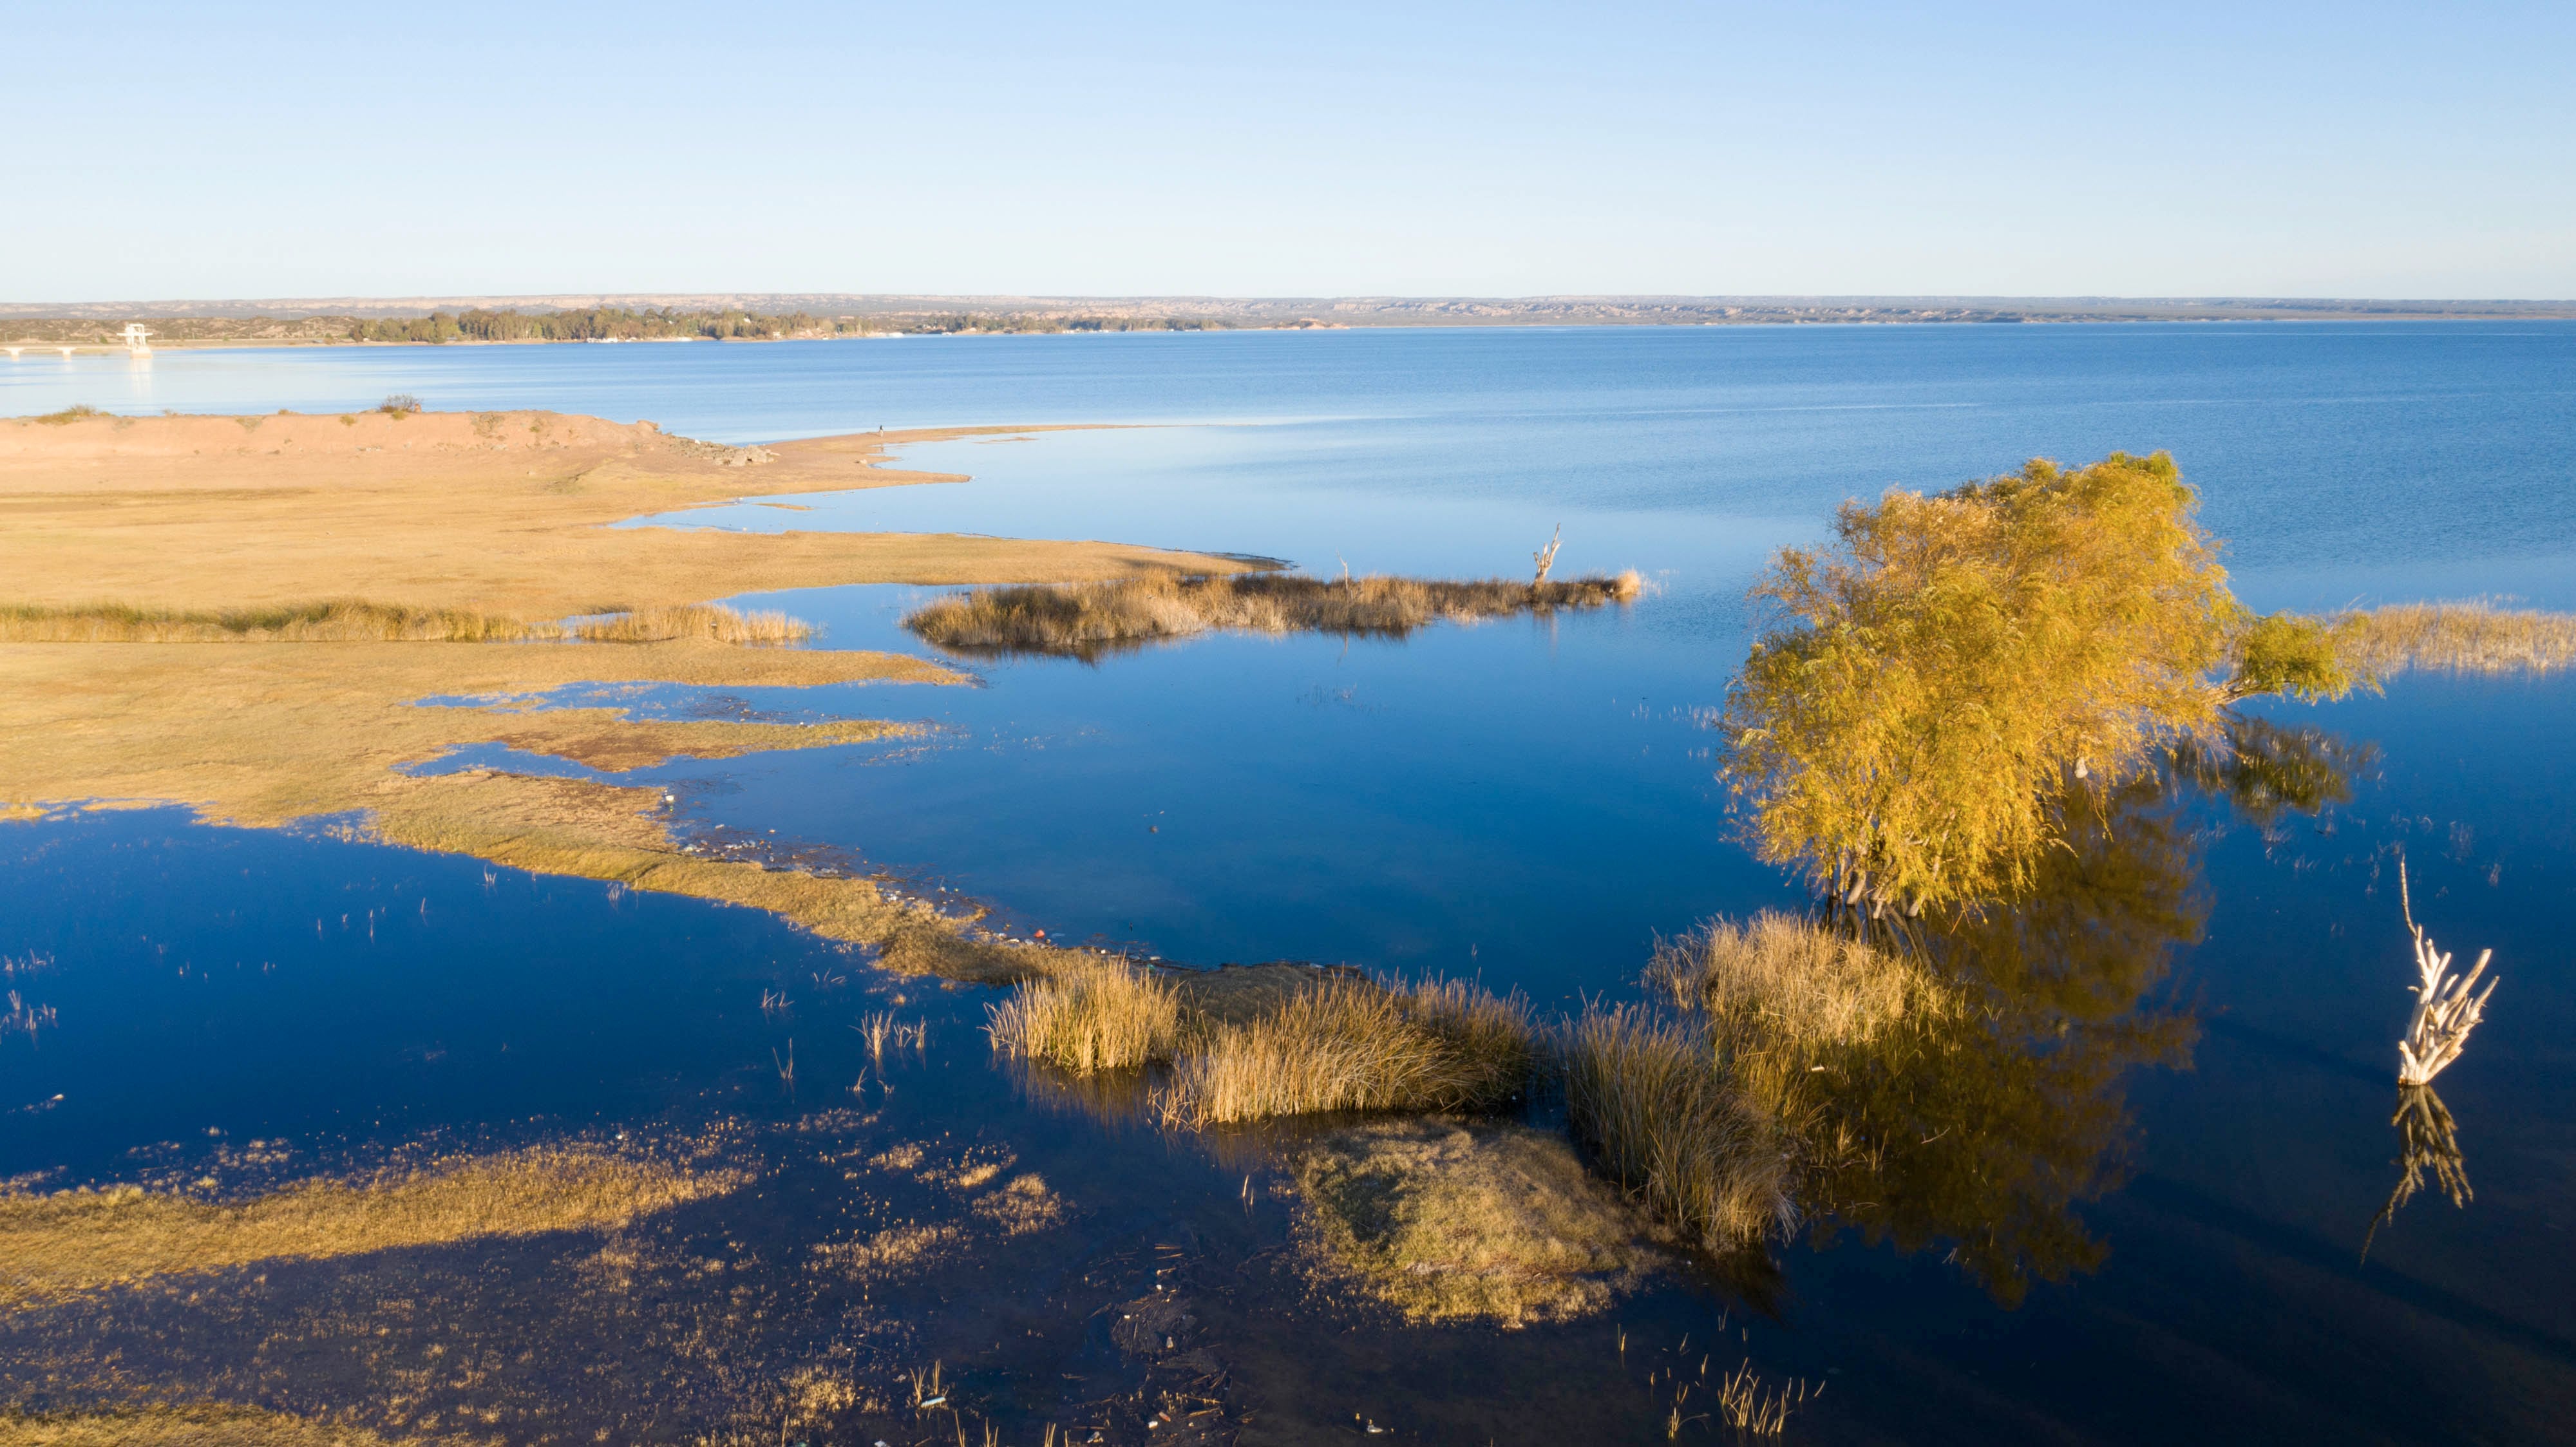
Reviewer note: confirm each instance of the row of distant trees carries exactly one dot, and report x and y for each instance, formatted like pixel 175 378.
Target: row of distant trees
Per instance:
pixel 633 325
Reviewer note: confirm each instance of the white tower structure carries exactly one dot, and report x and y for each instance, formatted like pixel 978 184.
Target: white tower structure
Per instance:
pixel 135 345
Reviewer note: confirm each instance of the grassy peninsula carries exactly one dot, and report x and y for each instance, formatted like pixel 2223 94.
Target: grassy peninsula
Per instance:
pixel 244 615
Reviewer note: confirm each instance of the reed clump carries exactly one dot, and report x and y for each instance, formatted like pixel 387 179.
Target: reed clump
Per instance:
pixel 200 1424
pixel 694 621
pixel 1713 1115
pixel 1095 1012
pixel 2473 636
pixel 1781 996
pixel 1645 1095
pixel 1089 620
pixel 55 1245
pixel 1350 1044
pixel 1450 1221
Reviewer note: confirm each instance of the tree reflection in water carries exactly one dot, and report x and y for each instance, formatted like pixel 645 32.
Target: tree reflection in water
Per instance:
pixel 2427 1139
pixel 1986 1123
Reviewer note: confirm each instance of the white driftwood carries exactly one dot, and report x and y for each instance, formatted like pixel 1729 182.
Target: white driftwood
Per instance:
pixel 2445 1010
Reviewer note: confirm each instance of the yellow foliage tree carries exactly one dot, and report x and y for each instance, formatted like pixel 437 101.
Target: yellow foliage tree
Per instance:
pixel 1954 663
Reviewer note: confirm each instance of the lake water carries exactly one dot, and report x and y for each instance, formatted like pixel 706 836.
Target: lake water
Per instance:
pixel 1527 801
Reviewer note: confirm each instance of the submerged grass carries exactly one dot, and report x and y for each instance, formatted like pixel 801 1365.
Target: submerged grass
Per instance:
pixel 2474 636
pixel 355 620
pixel 55 1245
pixel 1088 620
pixel 1449 1222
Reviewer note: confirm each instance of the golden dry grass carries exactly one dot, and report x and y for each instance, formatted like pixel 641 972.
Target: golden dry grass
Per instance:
pixel 2475 636
pixel 473 525
pixel 1089 620
pixel 1447 1222
pixel 1782 983
pixel 710 622
pixel 1645 1095
pixel 55 1245
pixel 1713 1116
pixel 1357 1045
pixel 336 621
pixel 1093 1013
pixel 210 1424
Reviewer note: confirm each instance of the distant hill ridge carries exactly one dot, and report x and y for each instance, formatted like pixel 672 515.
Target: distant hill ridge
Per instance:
pixel 750 316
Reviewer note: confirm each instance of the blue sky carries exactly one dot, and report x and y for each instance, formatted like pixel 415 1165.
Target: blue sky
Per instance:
pixel 2330 150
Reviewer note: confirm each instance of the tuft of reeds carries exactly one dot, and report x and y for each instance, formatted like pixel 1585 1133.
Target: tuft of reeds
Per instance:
pixel 701 621
pixel 1780 995
pixel 1090 620
pixel 1095 1013
pixel 2445 1011
pixel 1788 981
pixel 1358 1045
pixel 1644 1094
pixel 69 415
pixel 2472 636
pixel 882 1029
pixel 1749 1406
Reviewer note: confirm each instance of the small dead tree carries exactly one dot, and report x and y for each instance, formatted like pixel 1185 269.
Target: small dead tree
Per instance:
pixel 2445 1011
pixel 1546 556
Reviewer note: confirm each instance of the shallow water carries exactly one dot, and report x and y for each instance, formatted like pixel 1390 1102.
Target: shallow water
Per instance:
pixel 1526 800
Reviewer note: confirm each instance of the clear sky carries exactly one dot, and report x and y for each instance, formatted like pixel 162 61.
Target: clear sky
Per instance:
pixel 2346 149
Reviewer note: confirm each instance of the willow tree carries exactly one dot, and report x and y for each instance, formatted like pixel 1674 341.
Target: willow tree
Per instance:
pixel 1952 665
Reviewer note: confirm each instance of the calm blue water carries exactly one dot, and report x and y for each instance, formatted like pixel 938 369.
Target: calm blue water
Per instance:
pixel 1529 801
